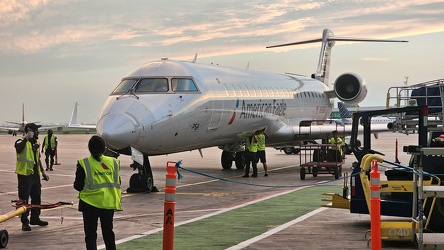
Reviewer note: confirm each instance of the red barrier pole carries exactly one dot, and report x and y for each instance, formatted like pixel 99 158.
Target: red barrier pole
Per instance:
pixel 375 206
pixel 169 204
pixel 56 158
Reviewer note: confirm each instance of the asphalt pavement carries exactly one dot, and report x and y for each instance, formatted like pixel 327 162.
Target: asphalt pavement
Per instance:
pixel 207 193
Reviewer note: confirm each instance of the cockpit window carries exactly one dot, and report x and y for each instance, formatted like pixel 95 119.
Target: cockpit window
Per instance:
pixel 183 85
pixel 152 85
pixel 124 86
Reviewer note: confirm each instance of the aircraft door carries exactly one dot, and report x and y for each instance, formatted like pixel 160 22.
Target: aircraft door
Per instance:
pixel 217 103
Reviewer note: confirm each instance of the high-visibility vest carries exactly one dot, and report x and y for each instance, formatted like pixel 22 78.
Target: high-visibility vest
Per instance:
pixel 26 160
pixel 53 142
pixel 337 141
pixel 102 182
pixel 261 142
pixel 251 145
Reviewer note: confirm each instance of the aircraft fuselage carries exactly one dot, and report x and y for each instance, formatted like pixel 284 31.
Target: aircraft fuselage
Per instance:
pixel 224 106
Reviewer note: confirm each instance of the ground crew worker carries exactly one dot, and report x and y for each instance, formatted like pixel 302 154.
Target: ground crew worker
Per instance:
pixel 250 155
pixel 336 151
pixel 49 146
pixel 28 169
pixel 262 136
pixel 98 182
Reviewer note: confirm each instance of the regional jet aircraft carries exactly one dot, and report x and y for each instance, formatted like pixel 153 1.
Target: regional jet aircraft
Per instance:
pixel 20 126
pixel 74 122
pixel 169 106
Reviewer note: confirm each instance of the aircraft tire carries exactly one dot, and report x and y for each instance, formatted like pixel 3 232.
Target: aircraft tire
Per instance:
pixel 226 159
pixel 288 150
pixel 4 238
pixel 134 181
pixel 239 160
pixel 302 173
pixel 147 182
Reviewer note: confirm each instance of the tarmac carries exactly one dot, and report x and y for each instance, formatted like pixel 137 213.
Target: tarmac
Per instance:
pixel 208 194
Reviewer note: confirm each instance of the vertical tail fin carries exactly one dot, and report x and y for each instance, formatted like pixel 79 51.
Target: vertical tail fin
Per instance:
pixel 328 41
pixel 74 116
pixel 345 113
pixel 23 112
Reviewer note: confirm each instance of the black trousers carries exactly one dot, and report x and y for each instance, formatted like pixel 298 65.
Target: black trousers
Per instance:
pixel 90 216
pixel 30 186
pixel 250 157
pixel 49 157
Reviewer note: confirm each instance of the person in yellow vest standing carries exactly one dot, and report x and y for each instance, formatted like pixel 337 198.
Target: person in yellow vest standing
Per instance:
pixel 262 136
pixel 49 146
pixel 250 155
pixel 98 182
pixel 28 169
pixel 335 152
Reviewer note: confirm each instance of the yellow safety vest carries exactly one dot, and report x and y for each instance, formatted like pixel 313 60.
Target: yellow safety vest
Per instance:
pixel 102 183
pixel 261 142
pixel 53 142
pixel 338 141
pixel 26 160
pixel 251 145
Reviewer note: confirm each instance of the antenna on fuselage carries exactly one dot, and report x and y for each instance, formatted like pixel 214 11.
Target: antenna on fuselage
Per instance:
pixel 195 58
pixel 328 41
pixel 248 65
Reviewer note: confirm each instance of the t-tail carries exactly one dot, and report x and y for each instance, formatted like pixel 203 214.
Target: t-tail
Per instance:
pixel 328 41
pixel 74 116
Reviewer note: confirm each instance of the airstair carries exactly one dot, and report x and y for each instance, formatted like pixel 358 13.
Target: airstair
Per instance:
pixel 425 239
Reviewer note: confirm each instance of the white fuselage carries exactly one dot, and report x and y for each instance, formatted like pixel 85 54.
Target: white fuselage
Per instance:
pixel 227 105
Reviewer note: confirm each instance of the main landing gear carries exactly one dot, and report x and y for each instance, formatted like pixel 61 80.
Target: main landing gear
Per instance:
pixel 227 159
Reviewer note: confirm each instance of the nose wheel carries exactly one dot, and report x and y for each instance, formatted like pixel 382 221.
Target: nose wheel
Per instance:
pixel 142 181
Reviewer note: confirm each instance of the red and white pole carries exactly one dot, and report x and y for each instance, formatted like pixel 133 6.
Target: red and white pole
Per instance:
pixel 375 206
pixel 169 205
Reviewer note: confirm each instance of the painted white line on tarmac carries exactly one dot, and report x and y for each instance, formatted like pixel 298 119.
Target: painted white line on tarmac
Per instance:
pixel 205 216
pixel 275 230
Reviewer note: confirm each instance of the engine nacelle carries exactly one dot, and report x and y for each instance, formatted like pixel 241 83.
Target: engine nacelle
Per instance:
pixel 350 88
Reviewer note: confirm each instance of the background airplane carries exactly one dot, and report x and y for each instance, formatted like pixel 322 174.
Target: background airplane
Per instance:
pixel 20 126
pixel 74 122
pixel 347 116
pixel 170 106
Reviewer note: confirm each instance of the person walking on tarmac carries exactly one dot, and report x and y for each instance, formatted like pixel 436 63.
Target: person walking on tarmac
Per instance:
pixel 28 169
pixel 250 155
pixel 49 146
pixel 335 152
pixel 98 182
pixel 262 136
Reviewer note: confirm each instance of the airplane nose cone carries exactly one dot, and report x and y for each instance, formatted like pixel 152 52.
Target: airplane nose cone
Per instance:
pixel 118 131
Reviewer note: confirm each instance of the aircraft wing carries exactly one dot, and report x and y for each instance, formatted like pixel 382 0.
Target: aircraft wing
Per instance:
pixel 50 127
pixel 9 128
pixel 313 130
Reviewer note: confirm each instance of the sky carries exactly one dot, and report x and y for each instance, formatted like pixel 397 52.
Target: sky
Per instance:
pixel 54 53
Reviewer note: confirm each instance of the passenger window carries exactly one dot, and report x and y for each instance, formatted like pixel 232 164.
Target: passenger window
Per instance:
pixel 152 85
pixel 124 86
pixel 183 85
